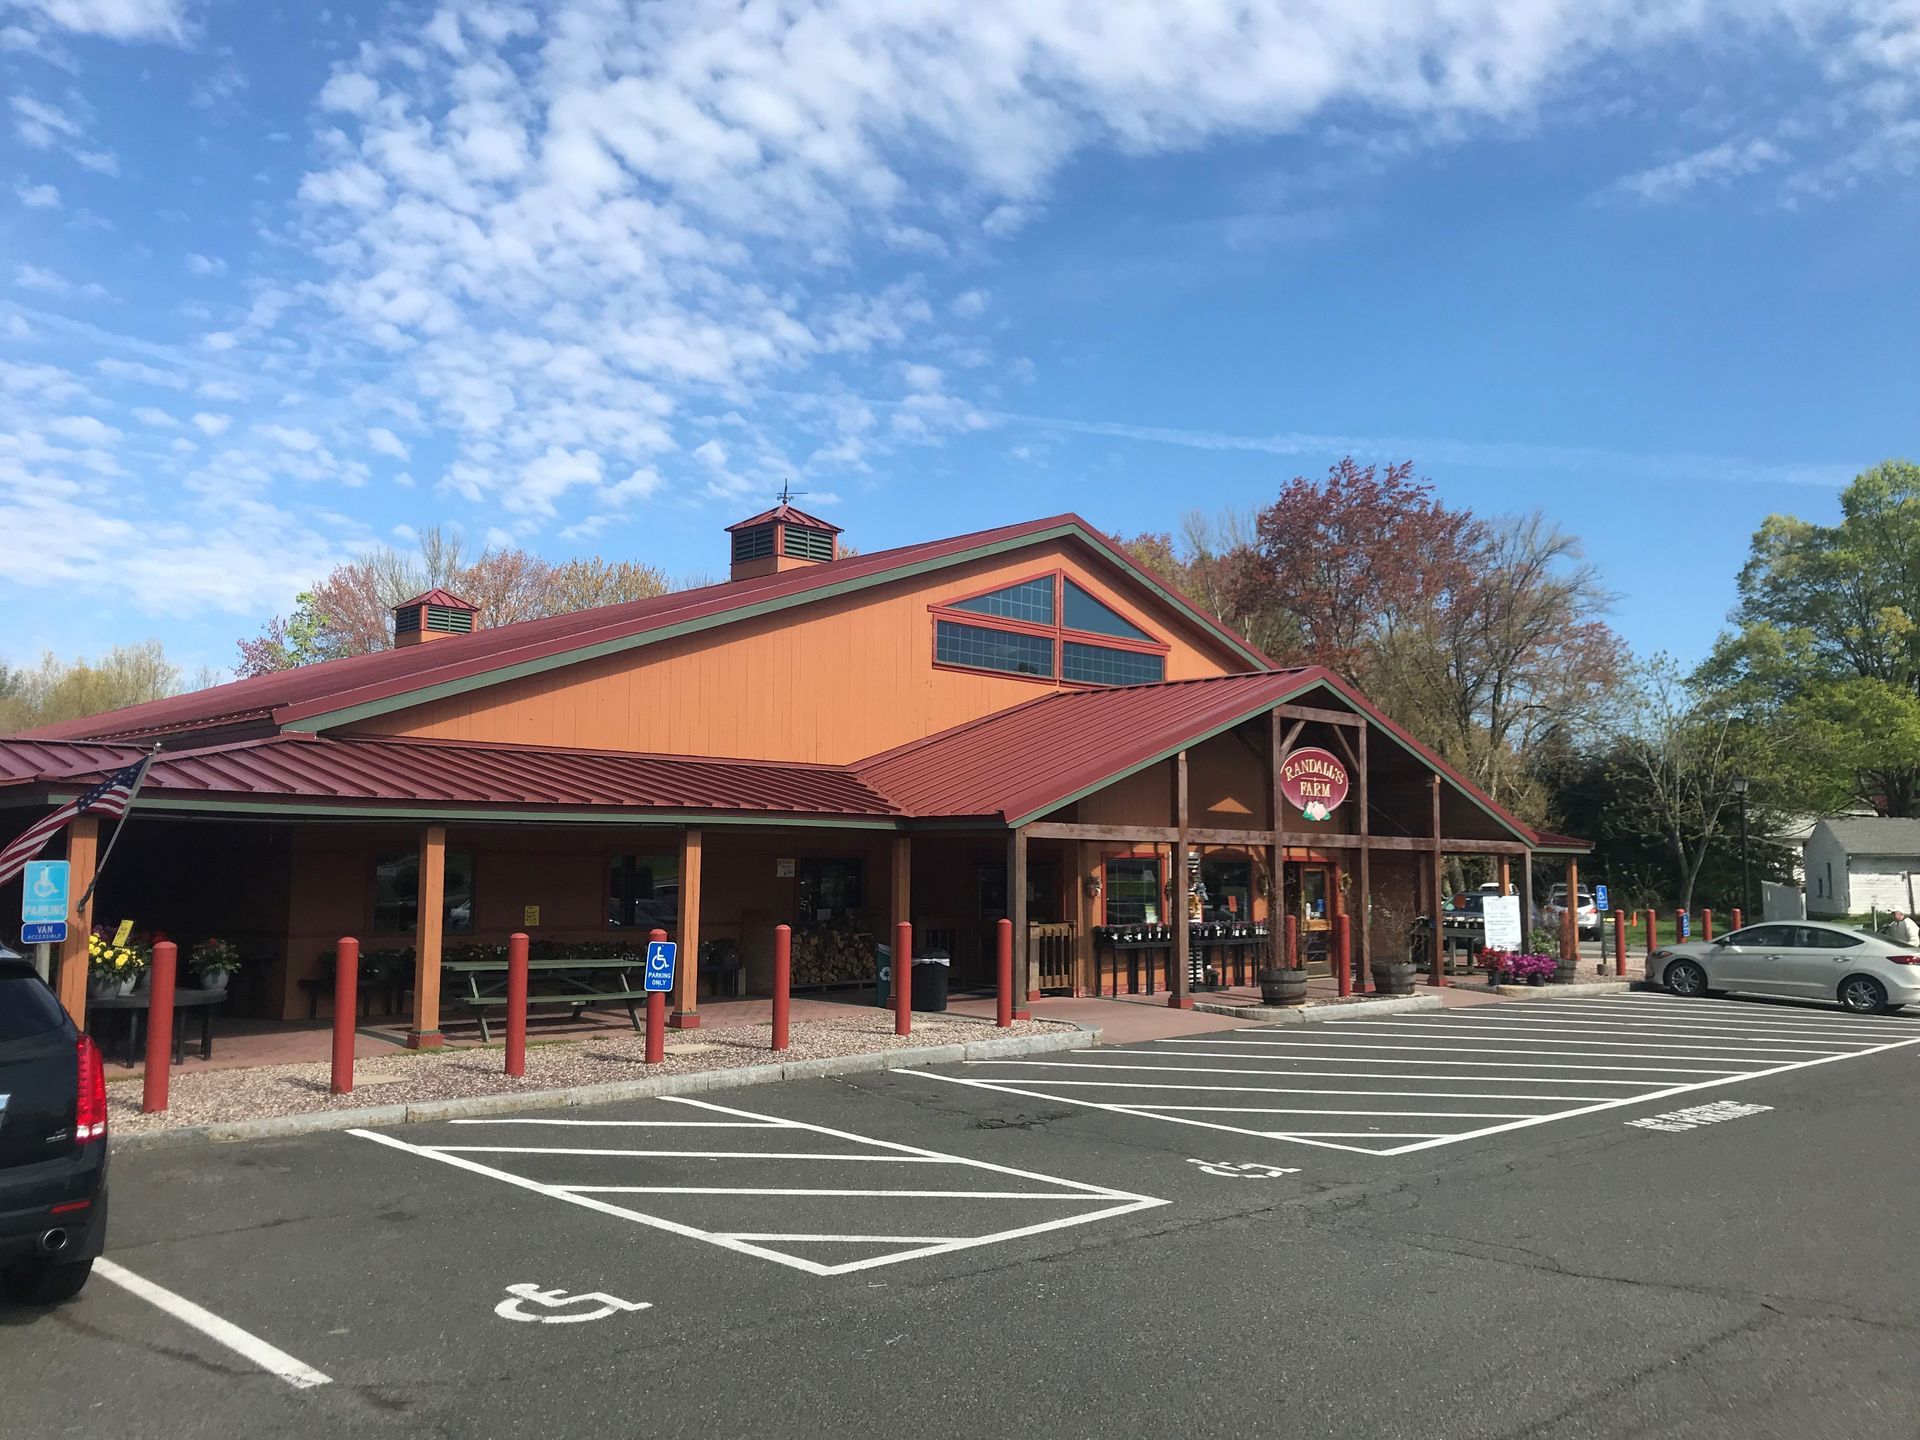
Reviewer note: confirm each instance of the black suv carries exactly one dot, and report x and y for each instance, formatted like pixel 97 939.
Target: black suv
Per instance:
pixel 53 1143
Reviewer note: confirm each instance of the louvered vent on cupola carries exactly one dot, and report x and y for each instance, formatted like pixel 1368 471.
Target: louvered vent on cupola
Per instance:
pixel 433 616
pixel 782 538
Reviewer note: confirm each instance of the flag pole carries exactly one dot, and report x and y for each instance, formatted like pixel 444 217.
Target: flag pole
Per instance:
pixel 80 908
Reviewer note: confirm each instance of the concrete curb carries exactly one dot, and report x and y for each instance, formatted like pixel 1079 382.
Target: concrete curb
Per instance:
pixel 1561 992
pixel 1318 1014
pixel 691 1083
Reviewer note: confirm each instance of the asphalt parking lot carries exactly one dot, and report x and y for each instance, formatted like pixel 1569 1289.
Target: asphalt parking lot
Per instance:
pixel 1689 1219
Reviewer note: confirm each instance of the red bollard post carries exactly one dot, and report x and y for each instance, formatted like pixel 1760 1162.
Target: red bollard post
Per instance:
pixel 1706 924
pixel 903 978
pixel 1653 932
pixel 1343 952
pixel 346 1000
pixel 1003 972
pixel 516 1004
pixel 656 1014
pixel 153 1088
pixel 782 982
pixel 1737 924
pixel 1619 942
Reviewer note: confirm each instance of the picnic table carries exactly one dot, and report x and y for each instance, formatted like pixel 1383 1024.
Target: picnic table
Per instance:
pixel 565 983
pixel 135 1007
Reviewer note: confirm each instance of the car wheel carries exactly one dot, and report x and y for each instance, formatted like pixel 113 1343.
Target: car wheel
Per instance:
pixel 1686 978
pixel 36 1282
pixel 1862 994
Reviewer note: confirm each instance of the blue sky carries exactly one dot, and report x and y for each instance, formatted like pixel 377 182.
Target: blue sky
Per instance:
pixel 282 281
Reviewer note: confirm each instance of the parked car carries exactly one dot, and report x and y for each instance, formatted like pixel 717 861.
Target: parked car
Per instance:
pixel 53 1143
pixel 1587 915
pixel 1862 972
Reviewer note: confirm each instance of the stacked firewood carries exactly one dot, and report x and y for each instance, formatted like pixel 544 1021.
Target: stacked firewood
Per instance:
pixel 832 955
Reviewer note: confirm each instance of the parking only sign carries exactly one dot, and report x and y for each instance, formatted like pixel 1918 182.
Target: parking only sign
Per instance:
pixel 660 955
pixel 1600 898
pixel 43 902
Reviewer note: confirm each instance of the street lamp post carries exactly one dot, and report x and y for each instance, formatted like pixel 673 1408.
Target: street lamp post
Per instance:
pixel 1746 868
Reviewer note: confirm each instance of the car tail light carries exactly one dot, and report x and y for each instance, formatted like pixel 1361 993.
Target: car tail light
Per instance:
pixel 90 1115
pixel 1904 959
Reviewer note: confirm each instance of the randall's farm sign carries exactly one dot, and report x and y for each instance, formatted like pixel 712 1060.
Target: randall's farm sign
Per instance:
pixel 1314 782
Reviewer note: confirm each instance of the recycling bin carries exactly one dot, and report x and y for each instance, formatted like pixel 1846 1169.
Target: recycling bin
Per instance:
pixel 930 981
pixel 883 976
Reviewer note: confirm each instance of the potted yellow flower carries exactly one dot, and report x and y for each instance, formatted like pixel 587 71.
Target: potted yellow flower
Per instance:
pixel 112 969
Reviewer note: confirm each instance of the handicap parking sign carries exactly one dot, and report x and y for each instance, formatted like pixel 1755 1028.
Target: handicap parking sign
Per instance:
pixel 43 902
pixel 660 954
pixel 1600 898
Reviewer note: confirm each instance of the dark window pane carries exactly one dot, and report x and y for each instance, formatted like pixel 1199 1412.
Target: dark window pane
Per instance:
pixel 643 891
pixel 27 1007
pixel 1133 892
pixel 1229 889
pixel 831 889
pixel 396 893
pixel 1083 612
pixel 1029 600
pixel 1099 665
pixel 984 649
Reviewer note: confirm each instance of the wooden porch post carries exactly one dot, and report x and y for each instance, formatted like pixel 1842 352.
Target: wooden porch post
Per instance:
pixel 1438 957
pixel 83 852
pixel 1017 912
pixel 1363 967
pixel 1570 916
pixel 1178 996
pixel 428 921
pixel 686 983
pixel 1526 900
pixel 1506 876
pixel 1086 975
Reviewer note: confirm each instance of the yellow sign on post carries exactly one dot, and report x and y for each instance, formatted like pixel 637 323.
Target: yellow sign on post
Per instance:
pixel 530 915
pixel 120 935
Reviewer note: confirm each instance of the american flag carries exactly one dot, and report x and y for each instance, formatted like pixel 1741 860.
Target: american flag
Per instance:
pixel 109 800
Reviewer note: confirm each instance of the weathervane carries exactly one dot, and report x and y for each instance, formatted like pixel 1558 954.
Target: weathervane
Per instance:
pixel 788 493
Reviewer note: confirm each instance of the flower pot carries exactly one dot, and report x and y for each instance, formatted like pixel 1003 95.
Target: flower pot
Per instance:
pixel 1283 987
pixel 124 987
pixel 1393 977
pixel 1537 979
pixel 1566 972
pixel 101 986
pixel 212 981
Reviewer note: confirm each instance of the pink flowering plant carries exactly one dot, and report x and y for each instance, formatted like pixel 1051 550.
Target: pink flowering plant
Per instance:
pixel 1508 965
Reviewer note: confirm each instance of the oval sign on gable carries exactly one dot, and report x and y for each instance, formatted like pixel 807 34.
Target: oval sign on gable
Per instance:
pixel 1314 782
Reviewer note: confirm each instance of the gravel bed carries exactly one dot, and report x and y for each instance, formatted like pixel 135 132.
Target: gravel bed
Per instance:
pixel 404 1076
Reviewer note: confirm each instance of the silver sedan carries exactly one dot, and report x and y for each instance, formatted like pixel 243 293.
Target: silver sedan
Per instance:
pixel 1800 959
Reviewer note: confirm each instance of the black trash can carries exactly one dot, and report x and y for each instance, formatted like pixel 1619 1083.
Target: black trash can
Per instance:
pixel 930 982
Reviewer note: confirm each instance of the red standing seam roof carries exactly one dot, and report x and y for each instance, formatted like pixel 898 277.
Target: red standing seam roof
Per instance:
pixel 288 696
pixel 379 771
pixel 25 761
pixel 437 596
pixel 787 515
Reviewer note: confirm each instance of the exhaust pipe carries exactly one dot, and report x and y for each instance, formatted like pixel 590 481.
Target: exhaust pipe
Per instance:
pixel 53 1242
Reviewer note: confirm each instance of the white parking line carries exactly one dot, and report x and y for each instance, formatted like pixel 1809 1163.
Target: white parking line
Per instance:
pixel 1558 1051
pixel 1077 1196
pixel 274 1361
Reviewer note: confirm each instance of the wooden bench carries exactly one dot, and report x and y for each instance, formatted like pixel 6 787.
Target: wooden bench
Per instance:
pixel 573 985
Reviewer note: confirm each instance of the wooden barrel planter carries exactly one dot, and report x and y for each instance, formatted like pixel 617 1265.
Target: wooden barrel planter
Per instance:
pixel 1393 977
pixel 1283 987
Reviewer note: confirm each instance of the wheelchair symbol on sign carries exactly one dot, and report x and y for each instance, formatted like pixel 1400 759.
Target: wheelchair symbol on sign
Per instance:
pixel 528 1293
pixel 659 974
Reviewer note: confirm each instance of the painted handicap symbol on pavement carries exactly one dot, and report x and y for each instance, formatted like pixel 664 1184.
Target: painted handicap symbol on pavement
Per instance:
pixel 527 1293
pixel 1242 1170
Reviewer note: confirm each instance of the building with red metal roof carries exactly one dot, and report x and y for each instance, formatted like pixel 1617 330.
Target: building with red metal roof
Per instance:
pixel 1020 722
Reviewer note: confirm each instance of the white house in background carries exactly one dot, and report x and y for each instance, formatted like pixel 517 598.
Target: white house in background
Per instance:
pixel 1856 864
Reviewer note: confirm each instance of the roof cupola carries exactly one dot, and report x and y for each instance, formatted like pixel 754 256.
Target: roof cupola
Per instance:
pixel 782 538
pixel 433 616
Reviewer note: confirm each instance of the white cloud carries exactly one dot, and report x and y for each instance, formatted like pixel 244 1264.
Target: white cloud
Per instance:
pixel 921 377
pixel 41 125
pixel 48 282
pixel 83 430
pixel 220 340
pixel 969 303
pixel 1718 165
pixel 141 372
pixel 383 441
pixel 116 19
pixel 222 390
pixel 198 264
pixel 712 454
pixel 289 437
pixel 212 424
pixel 547 477
pixel 38 197
pixel 154 419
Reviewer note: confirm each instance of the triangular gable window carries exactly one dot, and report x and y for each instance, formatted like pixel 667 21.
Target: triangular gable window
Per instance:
pixel 1083 612
pixel 1030 600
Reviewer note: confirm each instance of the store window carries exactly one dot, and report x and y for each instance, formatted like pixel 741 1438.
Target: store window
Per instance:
pixel 643 891
pixel 1133 890
pixel 831 889
pixel 1050 626
pixel 396 893
pixel 1229 885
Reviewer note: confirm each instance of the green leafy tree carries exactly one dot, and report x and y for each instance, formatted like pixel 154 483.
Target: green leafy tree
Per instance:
pixel 59 690
pixel 1825 653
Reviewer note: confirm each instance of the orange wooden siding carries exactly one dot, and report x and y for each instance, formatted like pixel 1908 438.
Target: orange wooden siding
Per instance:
pixel 833 682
